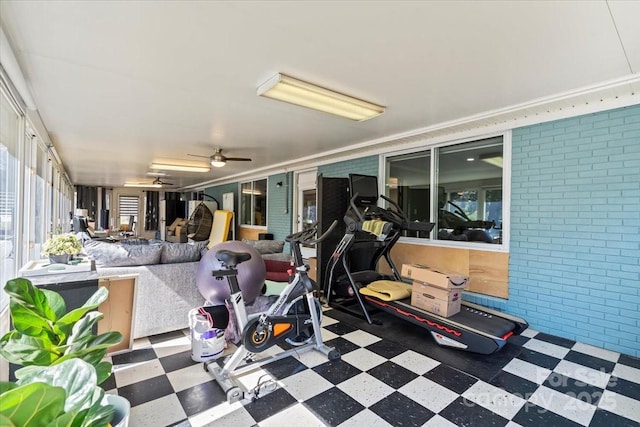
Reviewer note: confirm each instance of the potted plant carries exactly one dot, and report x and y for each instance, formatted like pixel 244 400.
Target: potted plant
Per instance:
pixel 61 247
pixel 65 394
pixel 59 353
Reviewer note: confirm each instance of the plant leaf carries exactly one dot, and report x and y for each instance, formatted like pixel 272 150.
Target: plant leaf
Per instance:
pixel 32 405
pixel 103 371
pixel 6 421
pixel 25 350
pixel 75 376
pixel 47 304
pixel 82 329
pixel 100 412
pixel 29 321
pixel 92 303
pixel 6 386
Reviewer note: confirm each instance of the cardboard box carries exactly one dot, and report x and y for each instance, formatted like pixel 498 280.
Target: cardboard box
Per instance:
pixel 450 295
pixel 313 265
pixel 433 277
pixel 436 300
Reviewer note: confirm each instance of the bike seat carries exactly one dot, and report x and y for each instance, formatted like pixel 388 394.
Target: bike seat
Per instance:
pixel 232 259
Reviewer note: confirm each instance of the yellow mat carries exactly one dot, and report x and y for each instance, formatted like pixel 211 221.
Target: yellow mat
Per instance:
pixel 374 226
pixel 387 290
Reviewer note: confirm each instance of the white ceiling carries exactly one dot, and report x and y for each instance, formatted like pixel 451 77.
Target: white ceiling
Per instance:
pixel 121 84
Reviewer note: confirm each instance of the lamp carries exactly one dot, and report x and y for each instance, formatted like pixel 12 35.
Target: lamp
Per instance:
pixel 298 92
pixel 182 168
pixel 494 159
pixel 217 163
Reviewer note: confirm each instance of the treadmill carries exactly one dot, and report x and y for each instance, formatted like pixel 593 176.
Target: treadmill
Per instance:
pixel 475 328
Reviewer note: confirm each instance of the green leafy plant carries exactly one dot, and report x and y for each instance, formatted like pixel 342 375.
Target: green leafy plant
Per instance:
pixel 63 360
pixel 62 244
pixel 65 394
pixel 45 334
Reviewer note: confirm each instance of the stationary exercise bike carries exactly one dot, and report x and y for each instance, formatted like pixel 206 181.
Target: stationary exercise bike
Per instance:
pixel 292 321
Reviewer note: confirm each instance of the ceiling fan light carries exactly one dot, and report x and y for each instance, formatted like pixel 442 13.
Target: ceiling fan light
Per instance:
pixel 298 92
pixel 181 168
pixel 218 163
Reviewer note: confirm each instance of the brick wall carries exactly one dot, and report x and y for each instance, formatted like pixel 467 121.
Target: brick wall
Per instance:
pixel 575 228
pixel 279 206
pixel 278 218
pixel 365 166
pixel 218 191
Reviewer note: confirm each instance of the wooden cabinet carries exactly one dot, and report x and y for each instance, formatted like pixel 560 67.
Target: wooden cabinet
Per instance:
pixel 118 309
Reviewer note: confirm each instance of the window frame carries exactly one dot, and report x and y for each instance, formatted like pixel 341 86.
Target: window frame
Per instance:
pixel 22 177
pixel 122 199
pixel 252 208
pixel 432 147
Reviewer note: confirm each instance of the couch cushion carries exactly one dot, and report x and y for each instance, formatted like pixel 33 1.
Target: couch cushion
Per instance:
pixel 277 271
pixel 278 257
pixel 181 252
pixel 266 246
pixel 116 255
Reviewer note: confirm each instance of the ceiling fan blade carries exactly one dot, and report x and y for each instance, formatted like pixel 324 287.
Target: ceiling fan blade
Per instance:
pixel 238 159
pixel 198 155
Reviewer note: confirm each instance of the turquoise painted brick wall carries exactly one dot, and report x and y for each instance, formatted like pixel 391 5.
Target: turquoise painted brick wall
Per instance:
pixel 279 206
pixel 575 228
pixel 219 190
pixel 278 218
pixel 364 165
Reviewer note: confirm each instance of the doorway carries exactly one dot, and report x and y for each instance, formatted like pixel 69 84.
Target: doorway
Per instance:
pixel 305 205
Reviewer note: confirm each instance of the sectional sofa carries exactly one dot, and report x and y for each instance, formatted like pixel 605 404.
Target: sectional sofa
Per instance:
pixel 166 287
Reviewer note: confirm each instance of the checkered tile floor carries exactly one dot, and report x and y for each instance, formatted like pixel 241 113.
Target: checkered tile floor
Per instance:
pixel 545 380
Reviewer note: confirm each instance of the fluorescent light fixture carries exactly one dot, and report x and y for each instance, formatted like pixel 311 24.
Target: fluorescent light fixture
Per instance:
pixel 182 168
pixel 494 159
pixel 126 184
pixel 294 91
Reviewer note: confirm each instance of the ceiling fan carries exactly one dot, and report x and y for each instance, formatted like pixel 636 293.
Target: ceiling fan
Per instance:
pixel 157 183
pixel 218 160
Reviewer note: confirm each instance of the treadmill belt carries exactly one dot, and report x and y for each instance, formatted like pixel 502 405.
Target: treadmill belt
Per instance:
pixel 476 319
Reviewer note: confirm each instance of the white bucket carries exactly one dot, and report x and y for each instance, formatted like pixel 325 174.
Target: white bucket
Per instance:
pixel 207 343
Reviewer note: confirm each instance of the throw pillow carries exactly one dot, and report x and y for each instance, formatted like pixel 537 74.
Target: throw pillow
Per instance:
pixel 266 246
pixel 181 252
pixel 117 255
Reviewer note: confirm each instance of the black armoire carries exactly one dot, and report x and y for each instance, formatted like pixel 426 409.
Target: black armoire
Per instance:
pixel 333 200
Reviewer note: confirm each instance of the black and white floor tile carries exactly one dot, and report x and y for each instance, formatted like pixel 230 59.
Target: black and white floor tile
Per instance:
pixel 538 380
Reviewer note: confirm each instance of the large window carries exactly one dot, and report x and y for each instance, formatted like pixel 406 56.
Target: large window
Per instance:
pixel 408 183
pixel 28 184
pixel 253 203
pixel 128 207
pixel 9 172
pixel 459 187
